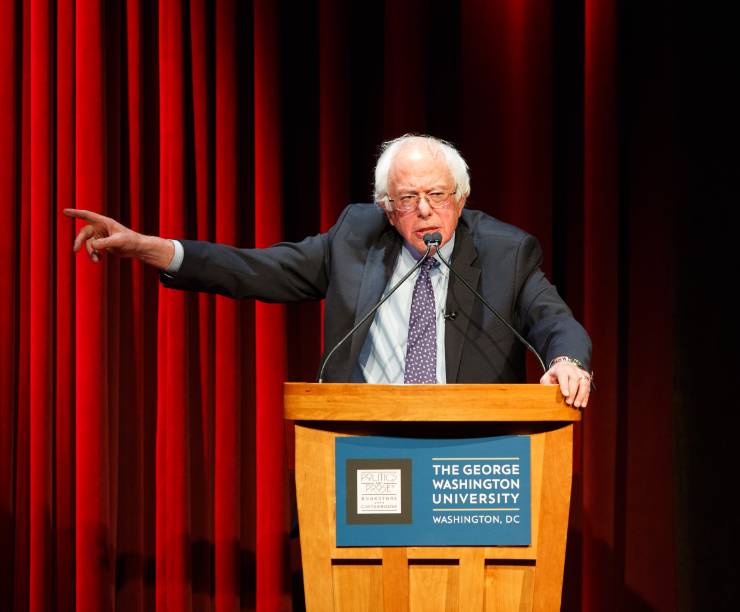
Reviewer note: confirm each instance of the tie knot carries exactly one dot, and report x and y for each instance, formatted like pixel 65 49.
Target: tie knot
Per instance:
pixel 429 264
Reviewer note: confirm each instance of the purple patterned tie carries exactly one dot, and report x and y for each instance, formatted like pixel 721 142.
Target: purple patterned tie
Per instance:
pixel 421 351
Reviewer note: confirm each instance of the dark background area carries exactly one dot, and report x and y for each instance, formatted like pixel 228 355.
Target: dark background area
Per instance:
pixel 703 45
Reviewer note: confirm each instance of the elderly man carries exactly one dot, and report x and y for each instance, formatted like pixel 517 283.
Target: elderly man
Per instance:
pixel 432 329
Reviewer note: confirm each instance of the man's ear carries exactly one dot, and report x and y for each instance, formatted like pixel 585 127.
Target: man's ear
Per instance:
pixel 461 203
pixel 390 217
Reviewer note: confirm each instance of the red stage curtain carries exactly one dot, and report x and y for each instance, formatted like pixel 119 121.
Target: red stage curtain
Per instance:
pixel 143 456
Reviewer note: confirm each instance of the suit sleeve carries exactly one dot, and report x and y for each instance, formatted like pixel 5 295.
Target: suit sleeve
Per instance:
pixel 541 313
pixel 285 272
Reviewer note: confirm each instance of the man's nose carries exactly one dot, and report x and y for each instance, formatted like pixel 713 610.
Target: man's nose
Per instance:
pixel 423 210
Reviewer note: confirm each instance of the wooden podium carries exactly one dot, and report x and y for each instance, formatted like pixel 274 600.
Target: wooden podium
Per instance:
pixel 431 578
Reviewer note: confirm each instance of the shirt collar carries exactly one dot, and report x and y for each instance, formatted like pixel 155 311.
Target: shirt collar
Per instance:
pixel 411 255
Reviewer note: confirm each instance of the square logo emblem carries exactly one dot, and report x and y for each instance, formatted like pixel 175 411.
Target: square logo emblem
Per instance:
pixel 378 491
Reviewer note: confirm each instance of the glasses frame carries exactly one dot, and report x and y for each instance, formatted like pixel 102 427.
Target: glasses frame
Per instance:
pixel 423 196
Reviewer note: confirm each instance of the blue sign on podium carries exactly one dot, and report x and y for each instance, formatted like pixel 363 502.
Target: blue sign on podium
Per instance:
pixel 441 492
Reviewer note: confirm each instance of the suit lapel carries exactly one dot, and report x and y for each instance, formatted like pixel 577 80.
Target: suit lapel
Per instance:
pixel 459 300
pixel 381 259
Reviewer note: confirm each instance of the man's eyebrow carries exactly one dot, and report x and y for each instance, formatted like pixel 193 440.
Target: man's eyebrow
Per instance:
pixel 431 189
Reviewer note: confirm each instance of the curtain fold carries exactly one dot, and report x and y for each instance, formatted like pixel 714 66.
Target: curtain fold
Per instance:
pixel 144 461
pixel 41 310
pixel 9 133
pixel 269 341
pixel 64 317
pixel 94 285
pixel 601 271
pixel 228 338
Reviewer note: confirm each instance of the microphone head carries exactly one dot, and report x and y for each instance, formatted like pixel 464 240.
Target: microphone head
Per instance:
pixel 434 239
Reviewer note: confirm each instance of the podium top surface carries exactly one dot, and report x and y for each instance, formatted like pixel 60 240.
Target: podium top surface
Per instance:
pixel 450 403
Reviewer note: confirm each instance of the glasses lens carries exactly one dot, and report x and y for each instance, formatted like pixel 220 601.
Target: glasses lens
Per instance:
pixel 407 202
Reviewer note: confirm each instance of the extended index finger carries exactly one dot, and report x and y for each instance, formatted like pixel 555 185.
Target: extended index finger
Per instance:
pixel 85 215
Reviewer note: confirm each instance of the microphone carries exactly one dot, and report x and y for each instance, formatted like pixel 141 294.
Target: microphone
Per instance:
pixel 350 333
pixel 434 240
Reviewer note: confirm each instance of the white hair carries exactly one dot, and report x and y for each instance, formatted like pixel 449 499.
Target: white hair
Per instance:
pixel 388 151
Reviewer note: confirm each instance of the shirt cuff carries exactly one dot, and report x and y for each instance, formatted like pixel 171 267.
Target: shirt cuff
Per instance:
pixel 174 265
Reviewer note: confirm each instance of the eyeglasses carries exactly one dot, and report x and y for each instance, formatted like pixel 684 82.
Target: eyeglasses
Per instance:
pixel 410 202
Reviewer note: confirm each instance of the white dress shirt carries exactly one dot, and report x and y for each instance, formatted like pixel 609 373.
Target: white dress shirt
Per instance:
pixel 383 356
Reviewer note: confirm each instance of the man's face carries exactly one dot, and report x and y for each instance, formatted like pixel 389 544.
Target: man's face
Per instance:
pixel 416 171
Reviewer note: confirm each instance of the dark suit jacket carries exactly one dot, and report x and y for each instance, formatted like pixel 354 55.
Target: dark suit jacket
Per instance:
pixel 351 264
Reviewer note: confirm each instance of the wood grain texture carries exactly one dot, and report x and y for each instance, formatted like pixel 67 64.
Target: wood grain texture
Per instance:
pixel 315 492
pixel 472 579
pixel 434 587
pixel 358 587
pixel 509 588
pixel 395 580
pixel 432 578
pixel 553 519
pixel 459 403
